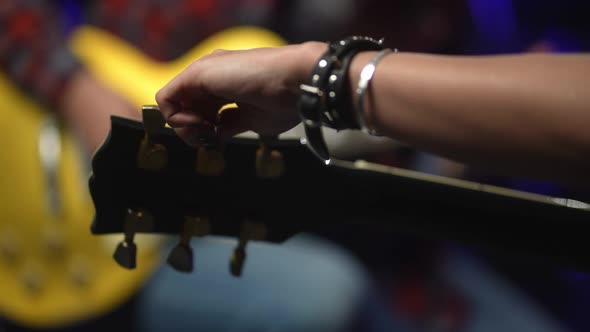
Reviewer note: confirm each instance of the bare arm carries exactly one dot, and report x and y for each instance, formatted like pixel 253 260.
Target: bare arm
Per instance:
pixel 521 114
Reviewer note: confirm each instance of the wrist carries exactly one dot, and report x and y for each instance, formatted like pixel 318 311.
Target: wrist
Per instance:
pixel 305 56
pixel 325 97
pixel 364 105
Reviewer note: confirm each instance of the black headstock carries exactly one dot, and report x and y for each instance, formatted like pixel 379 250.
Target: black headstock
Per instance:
pixel 146 180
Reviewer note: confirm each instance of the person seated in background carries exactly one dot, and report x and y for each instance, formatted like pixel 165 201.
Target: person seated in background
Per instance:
pixel 34 54
pixel 309 284
pixel 306 285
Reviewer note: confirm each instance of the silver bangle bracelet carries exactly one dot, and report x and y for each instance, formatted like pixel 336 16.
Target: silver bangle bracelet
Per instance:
pixel 363 85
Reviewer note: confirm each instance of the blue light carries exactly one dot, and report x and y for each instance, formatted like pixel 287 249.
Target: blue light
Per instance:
pixel 496 26
pixel 71 13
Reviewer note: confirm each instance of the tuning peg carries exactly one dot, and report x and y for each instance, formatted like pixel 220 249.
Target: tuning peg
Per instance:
pixel 269 162
pixel 181 257
pixel 126 254
pixel 126 251
pixel 152 156
pixel 236 264
pixel 250 231
pixel 210 161
pixel 9 246
pixel 54 245
pixel 80 271
pixel 32 278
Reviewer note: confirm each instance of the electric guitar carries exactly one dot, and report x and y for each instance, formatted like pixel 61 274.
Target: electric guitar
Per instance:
pixel 52 271
pixel 146 180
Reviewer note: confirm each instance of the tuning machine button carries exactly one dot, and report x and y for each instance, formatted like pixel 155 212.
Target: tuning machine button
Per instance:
pixel 126 254
pixel 250 231
pixel 32 278
pixel 54 243
pixel 137 220
pixel 151 155
pixel 269 162
pixel 9 248
pixel 181 257
pixel 80 272
pixel 210 160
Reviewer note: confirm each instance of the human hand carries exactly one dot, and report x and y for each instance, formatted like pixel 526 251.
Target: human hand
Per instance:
pixel 263 82
pixel 87 106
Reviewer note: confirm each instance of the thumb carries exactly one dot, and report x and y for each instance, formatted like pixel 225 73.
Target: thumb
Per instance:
pixel 234 120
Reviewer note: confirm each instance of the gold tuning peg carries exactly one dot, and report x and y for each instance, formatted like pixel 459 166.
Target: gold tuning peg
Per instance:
pixel 181 257
pixel 269 162
pixel 137 220
pixel 80 271
pixel 210 161
pixel 9 246
pixel 54 243
pixel 151 155
pixel 250 231
pixel 33 278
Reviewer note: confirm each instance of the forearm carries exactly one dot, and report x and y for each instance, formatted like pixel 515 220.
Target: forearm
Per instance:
pixel 86 105
pixel 524 114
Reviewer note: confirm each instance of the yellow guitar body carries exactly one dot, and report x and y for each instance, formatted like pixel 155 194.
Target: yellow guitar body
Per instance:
pixel 127 71
pixel 53 272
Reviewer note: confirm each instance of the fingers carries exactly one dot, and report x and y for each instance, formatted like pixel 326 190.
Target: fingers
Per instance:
pixel 233 121
pixel 169 97
pixel 192 110
pixel 192 135
pixel 185 100
pixel 195 111
pixel 252 78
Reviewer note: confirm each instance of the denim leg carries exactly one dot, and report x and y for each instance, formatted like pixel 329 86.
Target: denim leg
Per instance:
pixel 304 284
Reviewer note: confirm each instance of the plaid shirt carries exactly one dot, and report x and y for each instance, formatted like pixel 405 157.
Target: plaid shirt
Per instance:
pixel 33 50
pixel 34 55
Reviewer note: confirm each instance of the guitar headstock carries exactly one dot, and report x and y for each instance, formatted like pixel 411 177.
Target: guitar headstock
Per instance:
pixel 146 180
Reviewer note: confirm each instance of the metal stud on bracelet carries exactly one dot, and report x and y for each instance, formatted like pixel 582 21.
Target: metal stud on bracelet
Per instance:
pixel 339 100
pixel 363 86
pixel 312 104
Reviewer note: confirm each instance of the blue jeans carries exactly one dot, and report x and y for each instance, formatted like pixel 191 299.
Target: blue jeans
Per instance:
pixel 309 285
pixel 303 285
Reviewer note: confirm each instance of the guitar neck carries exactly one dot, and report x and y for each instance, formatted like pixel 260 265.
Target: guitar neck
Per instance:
pixel 505 221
